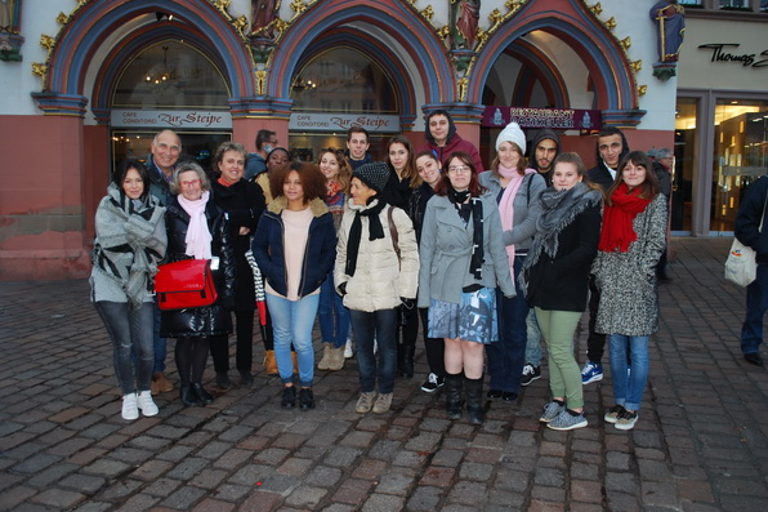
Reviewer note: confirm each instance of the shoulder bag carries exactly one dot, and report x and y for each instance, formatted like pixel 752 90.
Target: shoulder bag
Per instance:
pixel 185 284
pixel 741 264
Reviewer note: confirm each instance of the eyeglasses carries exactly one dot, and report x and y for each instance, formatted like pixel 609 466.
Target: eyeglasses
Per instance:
pixel 459 169
pixel 189 183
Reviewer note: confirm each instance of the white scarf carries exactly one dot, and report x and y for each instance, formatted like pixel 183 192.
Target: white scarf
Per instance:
pixel 198 237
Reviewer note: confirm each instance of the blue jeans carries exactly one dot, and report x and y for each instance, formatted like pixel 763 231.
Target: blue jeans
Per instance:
pixel 628 387
pixel 382 325
pixel 292 322
pixel 131 332
pixel 533 352
pixel 506 356
pixel 757 305
pixel 158 342
pixel 332 313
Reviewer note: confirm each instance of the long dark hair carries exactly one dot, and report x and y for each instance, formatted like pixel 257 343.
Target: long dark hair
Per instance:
pixel 648 188
pixel 444 185
pixel 409 172
pixel 118 176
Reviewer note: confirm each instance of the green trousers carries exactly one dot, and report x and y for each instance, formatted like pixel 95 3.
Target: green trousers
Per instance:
pixel 558 327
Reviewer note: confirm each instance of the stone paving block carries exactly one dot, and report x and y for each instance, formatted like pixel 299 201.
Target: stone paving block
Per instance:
pixel 586 491
pixel 409 458
pixel 383 503
pixel 96 506
pixel 13 496
pixel 271 456
pixel 259 501
pixel 424 499
pixel 622 502
pixel 295 466
pixel 232 459
pixel 251 474
pixel 475 471
pixel 208 478
pixel 500 499
pixel 107 467
pixel 36 463
pixel 470 493
pixel 230 492
pixel 184 497
pixel 695 490
pixel 369 469
pixel 323 476
pixel 120 489
pixel 60 498
pixel 353 491
pixel 397 481
pixel 438 477
pixel 358 439
pixel 342 456
pixel 253 443
pixel 617 460
pixel 545 493
pixel 306 496
pixel 188 468
pixel 86 484
pixel 446 457
pixel 549 477
pixel 211 505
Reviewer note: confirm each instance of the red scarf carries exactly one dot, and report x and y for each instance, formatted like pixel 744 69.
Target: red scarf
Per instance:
pixel 224 182
pixel 618 233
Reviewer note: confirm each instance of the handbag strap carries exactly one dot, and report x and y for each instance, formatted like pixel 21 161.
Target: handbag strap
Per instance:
pixel 762 215
pixel 393 233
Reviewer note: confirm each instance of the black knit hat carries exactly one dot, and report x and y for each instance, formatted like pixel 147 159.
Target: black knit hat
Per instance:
pixel 374 174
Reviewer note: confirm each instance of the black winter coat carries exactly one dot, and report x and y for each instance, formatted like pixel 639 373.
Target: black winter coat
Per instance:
pixel 211 320
pixel 561 283
pixel 751 211
pixel 243 203
pixel 600 175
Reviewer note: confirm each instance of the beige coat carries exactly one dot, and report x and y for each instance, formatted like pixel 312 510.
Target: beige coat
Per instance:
pixel 379 279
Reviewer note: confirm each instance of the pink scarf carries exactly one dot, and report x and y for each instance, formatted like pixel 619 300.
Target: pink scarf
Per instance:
pixel 506 207
pixel 198 237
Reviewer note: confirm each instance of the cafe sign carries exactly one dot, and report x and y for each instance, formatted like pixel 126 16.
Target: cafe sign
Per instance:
pixel 316 122
pixel 173 119
pixel 530 117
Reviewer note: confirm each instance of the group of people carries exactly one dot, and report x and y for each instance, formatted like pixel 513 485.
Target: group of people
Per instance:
pixel 490 262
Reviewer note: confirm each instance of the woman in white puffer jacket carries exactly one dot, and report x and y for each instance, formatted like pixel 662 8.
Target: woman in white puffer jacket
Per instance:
pixel 377 268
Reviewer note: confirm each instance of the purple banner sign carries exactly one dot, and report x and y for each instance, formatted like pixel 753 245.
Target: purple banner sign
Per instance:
pixel 556 118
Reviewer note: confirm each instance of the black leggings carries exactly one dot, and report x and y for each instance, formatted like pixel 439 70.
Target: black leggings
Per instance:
pixel 191 357
pixel 434 347
pixel 244 348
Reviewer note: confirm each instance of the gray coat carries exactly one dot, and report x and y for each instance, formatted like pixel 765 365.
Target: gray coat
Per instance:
pixel 526 207
pixel 629 302
pixel 446 252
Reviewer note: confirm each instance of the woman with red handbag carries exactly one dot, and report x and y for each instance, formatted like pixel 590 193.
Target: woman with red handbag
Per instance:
pixel 130 240
pixel 197 229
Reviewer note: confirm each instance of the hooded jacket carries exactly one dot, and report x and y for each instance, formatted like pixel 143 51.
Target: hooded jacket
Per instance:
pixel 544 133
pixel 454 143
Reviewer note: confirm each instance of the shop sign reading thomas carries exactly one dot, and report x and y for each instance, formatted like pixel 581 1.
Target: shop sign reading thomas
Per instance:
pixel 375 123
pixel 174 119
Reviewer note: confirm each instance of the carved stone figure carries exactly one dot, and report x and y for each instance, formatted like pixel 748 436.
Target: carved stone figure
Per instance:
pixel 465 15
pixel 263 19
pixel 670 24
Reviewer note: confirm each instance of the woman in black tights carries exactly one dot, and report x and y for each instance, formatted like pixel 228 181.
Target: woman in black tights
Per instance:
pixel 197 229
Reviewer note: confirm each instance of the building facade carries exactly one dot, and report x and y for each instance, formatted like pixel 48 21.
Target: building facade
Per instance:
pixel 86 83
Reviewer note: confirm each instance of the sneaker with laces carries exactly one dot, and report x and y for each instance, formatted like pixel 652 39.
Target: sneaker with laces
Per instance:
pixel 530 374
pixel 145 403
pixel 568 420
pixel 612 415
pixel 130 407
pixel 365 402
pixel 592 372
pixel 551 411
pixel 383 403
pixel 433 383
pixel 626 420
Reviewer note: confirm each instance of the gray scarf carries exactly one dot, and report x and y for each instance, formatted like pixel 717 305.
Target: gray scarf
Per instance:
pixel 560 208
pixel 112 216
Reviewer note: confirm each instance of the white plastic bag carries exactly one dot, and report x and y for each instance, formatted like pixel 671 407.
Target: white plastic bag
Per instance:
pixel 741 264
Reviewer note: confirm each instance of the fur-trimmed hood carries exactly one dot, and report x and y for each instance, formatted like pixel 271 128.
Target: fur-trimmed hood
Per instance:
pixel 317 205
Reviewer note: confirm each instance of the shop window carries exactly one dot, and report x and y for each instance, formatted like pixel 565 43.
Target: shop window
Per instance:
pixel 685 171
pixel 196 145
pixel 346 82
pixel 171 75
pixel 741 155
pixel 735 4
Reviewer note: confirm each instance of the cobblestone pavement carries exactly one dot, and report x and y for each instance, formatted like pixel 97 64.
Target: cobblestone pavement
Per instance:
pixel 700 444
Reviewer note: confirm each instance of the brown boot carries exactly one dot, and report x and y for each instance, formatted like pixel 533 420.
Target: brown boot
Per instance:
pixel 161 382
pixel 325 361
pixel 270 365
pixel 336 359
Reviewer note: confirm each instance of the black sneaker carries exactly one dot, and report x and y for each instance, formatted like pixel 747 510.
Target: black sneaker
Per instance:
pixel 530 374
pixel 306 399
pixel 289 397
pixel 433 383
pixel 246 379
pixel 222 381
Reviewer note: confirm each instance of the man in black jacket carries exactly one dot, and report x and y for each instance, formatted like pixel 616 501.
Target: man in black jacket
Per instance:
pixel 611 148
pixel 751 215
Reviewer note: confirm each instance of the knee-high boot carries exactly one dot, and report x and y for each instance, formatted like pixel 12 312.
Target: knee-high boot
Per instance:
pixel 453 401
pixel 475 405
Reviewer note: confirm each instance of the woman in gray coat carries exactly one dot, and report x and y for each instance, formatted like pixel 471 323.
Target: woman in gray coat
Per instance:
pixel 463 260
pixel 631 242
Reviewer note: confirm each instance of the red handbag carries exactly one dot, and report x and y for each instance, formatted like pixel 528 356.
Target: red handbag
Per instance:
pixel 185 284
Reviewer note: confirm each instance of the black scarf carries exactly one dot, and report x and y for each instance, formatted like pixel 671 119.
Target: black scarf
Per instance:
pixel 375 231
pixel 471 210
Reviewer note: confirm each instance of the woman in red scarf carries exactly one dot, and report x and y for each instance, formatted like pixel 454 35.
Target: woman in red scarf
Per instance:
pixel 631 242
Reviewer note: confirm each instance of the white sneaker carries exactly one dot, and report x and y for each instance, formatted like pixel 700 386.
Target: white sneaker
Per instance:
pixel 348 349
pixel 130 407
pixel 146 404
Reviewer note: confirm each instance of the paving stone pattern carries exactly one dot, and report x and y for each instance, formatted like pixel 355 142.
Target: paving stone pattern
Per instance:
pixel 700 445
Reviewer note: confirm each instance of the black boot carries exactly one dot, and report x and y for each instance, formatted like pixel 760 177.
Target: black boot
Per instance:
pixel 453 402
pixel 201 393
pixel 475 405
pixel 188 396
